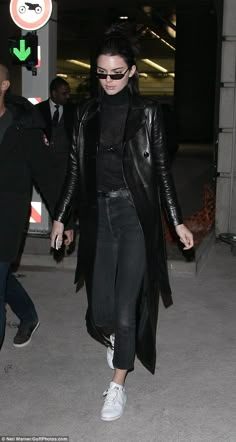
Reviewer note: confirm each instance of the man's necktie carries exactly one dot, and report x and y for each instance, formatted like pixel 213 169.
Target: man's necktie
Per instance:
pixel 55 117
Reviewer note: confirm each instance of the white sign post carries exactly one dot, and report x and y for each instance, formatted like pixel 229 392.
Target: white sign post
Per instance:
pixel 31 16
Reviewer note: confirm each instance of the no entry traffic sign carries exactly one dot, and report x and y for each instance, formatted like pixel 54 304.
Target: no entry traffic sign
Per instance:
pixel 30 15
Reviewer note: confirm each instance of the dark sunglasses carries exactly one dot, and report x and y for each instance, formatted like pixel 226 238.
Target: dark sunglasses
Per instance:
pixel 112 76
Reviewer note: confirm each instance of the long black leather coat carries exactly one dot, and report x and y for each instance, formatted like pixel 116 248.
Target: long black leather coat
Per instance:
pixel 147 175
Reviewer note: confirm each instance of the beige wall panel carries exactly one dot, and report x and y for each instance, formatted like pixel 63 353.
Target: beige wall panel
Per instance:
pixel 225 152
pixel 222 205
pixel 229 20
pixel 226 107
pixel 228 61
pixel 232 227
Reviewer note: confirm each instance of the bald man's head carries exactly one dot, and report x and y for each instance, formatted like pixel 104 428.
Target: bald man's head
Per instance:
pixel 4 72
pixel 4 80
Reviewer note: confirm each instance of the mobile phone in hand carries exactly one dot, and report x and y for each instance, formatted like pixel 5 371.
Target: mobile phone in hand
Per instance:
pixel 56 243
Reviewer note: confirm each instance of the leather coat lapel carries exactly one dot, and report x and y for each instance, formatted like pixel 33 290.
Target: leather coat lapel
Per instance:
pixel 46 112
pixel 135 119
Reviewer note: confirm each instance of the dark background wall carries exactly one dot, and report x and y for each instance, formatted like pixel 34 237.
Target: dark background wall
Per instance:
pixel 196 69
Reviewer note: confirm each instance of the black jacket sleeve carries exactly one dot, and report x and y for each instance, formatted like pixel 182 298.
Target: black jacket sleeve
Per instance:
pixel 65 203
pixel 162 168
pixel 42 171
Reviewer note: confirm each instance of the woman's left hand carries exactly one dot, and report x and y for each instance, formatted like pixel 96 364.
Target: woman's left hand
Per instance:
pixel 69 237
pixel 185 236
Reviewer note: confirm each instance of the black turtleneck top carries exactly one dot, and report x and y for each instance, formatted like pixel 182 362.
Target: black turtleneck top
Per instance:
pixel 114 111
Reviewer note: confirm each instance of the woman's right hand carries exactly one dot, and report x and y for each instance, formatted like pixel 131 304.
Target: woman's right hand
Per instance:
pixel 57 231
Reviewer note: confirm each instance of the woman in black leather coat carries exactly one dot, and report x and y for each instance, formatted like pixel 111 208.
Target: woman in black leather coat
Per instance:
pixel 119 175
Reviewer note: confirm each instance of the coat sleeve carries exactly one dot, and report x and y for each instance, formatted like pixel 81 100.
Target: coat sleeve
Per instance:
pixel 162 168
pixel 65 202
pixel 42 170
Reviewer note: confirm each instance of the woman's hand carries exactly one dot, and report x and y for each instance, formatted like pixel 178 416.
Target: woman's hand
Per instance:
pixel 69 237
pixel 57 231
pixel 185 236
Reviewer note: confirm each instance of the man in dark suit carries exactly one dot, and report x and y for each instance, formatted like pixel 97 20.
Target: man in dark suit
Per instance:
pixel 58 115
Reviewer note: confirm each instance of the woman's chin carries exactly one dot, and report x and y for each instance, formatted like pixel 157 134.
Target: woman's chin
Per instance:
pixel 111 90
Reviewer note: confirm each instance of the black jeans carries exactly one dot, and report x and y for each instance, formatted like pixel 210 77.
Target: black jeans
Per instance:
pixel 118 275
pixel 12 293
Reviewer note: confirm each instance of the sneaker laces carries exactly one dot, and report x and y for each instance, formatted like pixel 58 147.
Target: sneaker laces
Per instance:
pixel 110 395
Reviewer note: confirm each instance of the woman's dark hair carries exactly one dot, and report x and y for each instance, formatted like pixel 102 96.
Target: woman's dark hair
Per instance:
pixel 119 40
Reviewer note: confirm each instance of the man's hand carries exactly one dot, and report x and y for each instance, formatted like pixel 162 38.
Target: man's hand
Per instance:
pixel 185 236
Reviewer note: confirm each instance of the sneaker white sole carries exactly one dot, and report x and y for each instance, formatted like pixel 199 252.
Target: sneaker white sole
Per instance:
pixel 29 340
pixel 109 419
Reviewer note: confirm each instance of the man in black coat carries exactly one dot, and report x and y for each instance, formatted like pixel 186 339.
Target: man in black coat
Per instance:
pixel 24 158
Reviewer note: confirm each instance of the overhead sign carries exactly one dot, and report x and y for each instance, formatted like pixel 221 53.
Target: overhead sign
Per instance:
pixel 30 15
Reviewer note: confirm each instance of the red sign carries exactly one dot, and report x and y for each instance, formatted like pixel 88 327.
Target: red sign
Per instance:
pixel 35 100
pixel 30 15
pixel 36 212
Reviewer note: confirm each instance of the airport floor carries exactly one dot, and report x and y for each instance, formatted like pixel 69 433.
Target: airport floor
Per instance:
pixel 54 386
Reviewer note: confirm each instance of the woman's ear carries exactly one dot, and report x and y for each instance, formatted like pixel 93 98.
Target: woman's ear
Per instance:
pixel 132 70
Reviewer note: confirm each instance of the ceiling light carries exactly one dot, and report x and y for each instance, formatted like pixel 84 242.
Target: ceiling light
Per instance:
pixel 80 63
pixel 171 31
pixel 123 17
pixel 157 66
pixel 62 75
pixel 143 74
pixel 154 65
pixel 160 38
pixel 147 9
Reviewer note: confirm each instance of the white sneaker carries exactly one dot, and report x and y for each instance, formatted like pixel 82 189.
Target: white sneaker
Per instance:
pixel 110 352
pixel 114 403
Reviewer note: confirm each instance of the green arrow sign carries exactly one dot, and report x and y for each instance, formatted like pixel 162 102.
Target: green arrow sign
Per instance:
pixel 22 53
